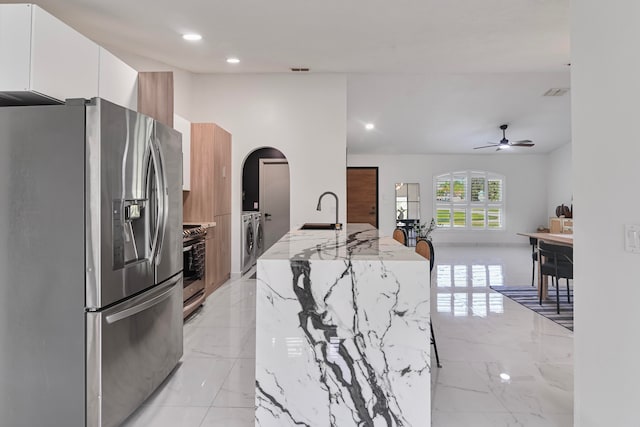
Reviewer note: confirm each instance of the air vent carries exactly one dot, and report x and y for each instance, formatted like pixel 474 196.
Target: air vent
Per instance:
pixel 300 70
pixel 556 91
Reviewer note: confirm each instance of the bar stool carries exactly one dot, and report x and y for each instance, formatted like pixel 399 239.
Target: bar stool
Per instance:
pixel 400 235
pixel 425 248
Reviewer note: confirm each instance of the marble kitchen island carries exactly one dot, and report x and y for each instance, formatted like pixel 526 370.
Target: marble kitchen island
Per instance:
pixel 342 331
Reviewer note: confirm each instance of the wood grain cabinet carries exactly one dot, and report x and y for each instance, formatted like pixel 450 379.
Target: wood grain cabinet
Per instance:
pixel 198 203
pixel 210 196
pixel 223 250
pixel 155 95
pixel 210 262
pixel 222 171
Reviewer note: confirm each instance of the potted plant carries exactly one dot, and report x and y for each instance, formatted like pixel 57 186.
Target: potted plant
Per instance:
pixel 424 230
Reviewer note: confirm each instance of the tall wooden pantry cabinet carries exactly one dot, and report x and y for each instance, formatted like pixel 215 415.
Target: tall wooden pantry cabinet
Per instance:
pixel 210 197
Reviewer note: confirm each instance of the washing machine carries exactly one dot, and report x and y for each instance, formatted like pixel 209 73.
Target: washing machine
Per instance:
pixel 247 258
pixel 258 233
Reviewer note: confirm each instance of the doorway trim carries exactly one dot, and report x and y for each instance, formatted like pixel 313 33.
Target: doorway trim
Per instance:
pixel 377 189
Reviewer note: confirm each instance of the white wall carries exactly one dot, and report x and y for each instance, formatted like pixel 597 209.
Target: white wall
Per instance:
pixel 526 190
pixel 559 176
pixel 605 87
pixel 303 116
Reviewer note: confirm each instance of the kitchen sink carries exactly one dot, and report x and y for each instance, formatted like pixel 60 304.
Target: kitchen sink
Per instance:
pixel 321 226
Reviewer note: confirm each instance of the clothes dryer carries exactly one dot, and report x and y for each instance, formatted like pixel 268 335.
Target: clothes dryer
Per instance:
pixel 247 257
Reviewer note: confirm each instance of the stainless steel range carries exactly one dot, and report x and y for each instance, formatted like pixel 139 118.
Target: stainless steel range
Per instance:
pixel 193 255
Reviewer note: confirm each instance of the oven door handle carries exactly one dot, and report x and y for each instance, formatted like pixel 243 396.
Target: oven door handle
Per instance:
pixel 144 305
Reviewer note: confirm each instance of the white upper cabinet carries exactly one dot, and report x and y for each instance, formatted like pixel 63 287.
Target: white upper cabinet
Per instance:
pixel 64 63
pixel 15 47
pixel 117 82
pixel 43 57
pixel 183 126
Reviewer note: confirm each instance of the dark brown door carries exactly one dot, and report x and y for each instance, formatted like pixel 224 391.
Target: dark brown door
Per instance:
pixel 362 195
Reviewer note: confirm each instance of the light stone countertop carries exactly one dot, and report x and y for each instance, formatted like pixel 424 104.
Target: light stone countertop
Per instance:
pixel 355 242
pixel 342 331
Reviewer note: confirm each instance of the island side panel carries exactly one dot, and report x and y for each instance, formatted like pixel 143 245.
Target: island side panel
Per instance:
pixel 342 343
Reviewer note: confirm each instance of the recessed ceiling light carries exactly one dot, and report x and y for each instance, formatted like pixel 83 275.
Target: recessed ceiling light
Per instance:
pixel 192 37
pixel 505 377
pixel 369 126
pixel 233 61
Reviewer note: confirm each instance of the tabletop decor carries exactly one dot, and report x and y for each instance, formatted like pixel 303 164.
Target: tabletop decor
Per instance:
pixel 424 230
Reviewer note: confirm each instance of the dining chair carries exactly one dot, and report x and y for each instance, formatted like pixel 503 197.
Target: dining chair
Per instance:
pixel 400 235
pixel 534 257
pixel 425 248
pixel 557 262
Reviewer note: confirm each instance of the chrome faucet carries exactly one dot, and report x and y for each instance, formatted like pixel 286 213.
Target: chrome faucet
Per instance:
pixel 336 197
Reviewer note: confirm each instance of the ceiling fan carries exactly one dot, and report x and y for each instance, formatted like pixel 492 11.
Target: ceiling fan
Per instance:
pixel 505 143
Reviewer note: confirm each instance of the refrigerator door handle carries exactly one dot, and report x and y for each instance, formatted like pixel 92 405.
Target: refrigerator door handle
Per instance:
pixel 162 199
pixel 159 203
pixel 145 305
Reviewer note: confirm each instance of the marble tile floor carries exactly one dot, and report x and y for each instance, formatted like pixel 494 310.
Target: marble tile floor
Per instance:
pixel 503 365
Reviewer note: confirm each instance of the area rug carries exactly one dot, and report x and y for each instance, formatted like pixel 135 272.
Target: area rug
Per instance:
pixel 528 296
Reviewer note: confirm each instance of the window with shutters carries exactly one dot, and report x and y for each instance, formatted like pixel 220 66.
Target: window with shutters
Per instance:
pixel 472 200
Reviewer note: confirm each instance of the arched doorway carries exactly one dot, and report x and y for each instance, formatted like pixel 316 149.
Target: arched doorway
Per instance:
pixel 265 202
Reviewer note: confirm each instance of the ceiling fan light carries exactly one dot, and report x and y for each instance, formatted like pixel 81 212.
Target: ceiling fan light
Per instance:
pixel 505 143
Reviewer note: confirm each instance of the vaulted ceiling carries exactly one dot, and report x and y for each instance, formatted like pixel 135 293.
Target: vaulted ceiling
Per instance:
pixel 434 76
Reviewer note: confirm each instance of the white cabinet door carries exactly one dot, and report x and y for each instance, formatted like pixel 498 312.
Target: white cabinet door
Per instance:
pixel 117 82
pixel 15 47
pixel 64 63
pixel 183 126
pixel 45 56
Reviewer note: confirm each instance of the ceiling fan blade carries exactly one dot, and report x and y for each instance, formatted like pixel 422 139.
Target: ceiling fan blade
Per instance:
pixel 523 140
pixel 523 144
pixel 486 146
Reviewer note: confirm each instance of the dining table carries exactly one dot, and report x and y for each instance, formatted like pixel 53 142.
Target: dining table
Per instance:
pixel 562 239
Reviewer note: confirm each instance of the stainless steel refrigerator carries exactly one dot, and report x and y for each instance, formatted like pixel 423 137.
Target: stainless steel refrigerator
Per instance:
pixel 90 262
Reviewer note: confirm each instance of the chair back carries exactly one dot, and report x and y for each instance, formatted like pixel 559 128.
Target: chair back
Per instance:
pixel 425 248
pixel 559 260
pixel 557 254
pixel 400 235
pixel 534 250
